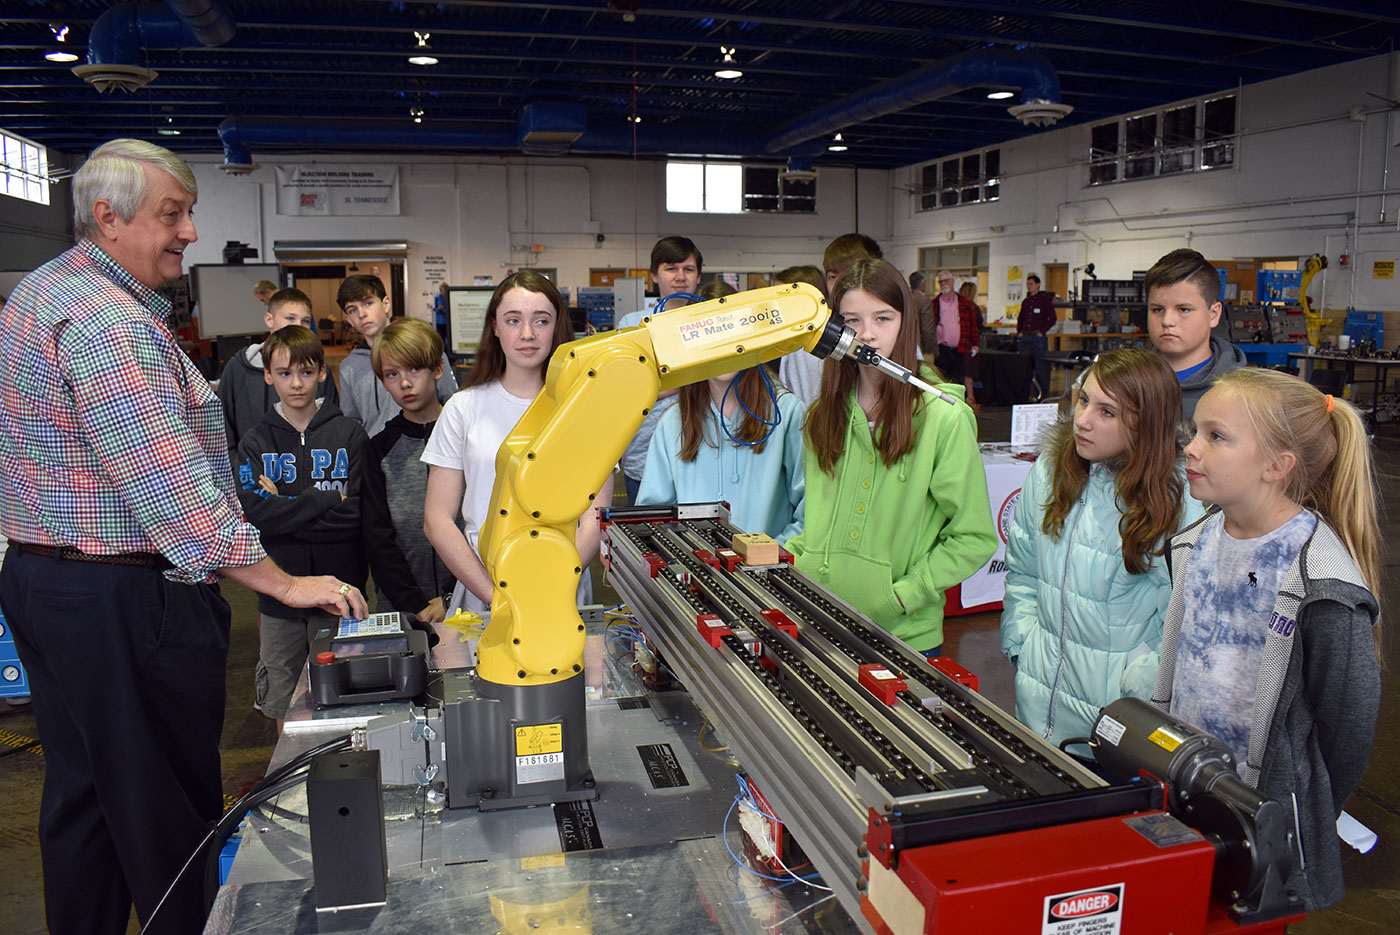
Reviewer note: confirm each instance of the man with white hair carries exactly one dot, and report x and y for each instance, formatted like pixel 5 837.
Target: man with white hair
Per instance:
pixel 950 329
pixel 117 499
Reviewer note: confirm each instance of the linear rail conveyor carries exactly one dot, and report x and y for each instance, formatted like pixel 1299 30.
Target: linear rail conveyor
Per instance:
pixel 925 807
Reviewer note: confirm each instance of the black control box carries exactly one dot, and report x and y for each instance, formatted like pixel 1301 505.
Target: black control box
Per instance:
pixel 374 659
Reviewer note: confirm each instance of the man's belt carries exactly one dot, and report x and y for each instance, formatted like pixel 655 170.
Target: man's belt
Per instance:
pixel 68 553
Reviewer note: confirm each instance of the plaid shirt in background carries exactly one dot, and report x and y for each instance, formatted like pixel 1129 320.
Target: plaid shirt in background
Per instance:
pixel 110 440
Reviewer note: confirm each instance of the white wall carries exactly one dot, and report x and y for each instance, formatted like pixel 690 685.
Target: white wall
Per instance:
pixel 1291 193
pixel 476 212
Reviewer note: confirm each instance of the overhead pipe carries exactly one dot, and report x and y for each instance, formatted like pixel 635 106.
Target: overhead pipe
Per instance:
pixel 120 37
pixel 209 20
pixel 541 130
pixel 556 129
pixel 1029 71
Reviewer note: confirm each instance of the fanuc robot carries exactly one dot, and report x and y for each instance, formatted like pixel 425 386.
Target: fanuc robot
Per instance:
pixel 524 740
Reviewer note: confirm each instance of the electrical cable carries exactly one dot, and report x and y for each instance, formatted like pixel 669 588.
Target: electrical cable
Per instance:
pixel 772 401
pixel 268 786
pixel 660 305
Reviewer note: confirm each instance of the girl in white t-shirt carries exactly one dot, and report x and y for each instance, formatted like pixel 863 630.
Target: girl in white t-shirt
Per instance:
pixel 525 321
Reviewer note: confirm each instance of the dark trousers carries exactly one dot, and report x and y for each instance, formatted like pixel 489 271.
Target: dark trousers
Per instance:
pixel 127 671
pixel 633 488
pixel 950 362
pixel 1036 345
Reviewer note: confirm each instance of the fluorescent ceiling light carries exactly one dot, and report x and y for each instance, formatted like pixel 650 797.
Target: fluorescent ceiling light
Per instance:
pixel 422 60
pixel 59 55
pixel 1000 95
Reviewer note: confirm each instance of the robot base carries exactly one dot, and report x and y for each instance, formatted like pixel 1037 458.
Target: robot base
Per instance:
pixel 514 746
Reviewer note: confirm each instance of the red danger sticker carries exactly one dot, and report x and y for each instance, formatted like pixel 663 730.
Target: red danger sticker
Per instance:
pixel 1097 911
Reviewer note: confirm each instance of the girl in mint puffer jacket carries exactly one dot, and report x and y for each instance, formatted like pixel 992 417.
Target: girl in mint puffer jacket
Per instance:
pixel 1087 584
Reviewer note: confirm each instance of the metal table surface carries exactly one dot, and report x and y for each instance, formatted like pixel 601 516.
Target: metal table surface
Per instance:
pixel 646 857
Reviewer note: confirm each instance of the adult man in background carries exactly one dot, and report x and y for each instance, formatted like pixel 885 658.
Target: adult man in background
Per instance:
pixel 1036 318
pixel 951 327
pixel 117 499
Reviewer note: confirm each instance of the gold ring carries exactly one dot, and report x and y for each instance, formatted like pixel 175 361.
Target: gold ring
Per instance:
pixel 345 589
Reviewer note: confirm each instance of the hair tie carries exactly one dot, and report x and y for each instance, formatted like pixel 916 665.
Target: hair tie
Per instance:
pixel 1330 402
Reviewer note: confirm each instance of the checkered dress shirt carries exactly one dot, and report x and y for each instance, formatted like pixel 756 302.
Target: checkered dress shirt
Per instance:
pixel 110 440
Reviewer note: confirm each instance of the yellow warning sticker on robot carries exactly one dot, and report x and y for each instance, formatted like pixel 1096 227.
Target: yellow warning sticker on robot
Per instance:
pixel 537 739
pixel 1163 739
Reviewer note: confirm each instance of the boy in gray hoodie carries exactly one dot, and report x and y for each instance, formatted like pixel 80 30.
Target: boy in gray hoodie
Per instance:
pixel 366 306
pixel 242 389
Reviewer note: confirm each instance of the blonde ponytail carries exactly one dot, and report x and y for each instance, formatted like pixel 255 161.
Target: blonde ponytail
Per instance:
pixel 1333 472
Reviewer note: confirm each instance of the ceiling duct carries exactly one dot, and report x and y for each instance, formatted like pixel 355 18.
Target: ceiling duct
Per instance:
pixel 119 38
pixel 555 129
pixel 1029 71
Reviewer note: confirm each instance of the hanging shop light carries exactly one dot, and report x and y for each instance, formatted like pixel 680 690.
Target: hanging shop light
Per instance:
pixel 60 34
pixel 837 145
pixel 416 113
pixel 728 66
pixel 1000 95
pixel 420 55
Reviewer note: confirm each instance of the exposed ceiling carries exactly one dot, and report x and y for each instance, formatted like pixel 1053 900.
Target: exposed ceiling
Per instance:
pixel 317 63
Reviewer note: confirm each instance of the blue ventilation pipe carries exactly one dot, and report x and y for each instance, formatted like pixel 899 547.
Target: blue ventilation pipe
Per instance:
pixel 241 135
pixel 122 34
pixel 545 128
pixel 1028 71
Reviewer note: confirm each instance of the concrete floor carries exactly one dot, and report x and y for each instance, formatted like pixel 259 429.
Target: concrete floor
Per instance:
pixel 1372 903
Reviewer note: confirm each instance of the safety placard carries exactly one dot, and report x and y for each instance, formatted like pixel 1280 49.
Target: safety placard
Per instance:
pixel 1097 911
pixel 1169 737
pixel 539 738
pixel 1383 269
pixel 539 753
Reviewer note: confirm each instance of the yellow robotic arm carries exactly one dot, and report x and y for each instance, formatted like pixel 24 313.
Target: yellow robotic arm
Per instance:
pixel 1314 320
pixel 596 393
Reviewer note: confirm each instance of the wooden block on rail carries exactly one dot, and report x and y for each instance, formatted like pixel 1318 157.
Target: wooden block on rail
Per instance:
pixel 756 548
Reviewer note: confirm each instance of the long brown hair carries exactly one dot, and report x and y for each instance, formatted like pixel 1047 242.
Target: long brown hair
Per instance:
pixel 1149 486
pixel 490 359
pixel 897 402
pixel 752 393
pixel 1332 474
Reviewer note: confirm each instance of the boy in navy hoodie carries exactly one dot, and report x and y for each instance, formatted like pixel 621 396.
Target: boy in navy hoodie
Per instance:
pixel 300 474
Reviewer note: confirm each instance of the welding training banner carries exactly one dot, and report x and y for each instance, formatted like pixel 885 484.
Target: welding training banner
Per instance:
pixel 336 191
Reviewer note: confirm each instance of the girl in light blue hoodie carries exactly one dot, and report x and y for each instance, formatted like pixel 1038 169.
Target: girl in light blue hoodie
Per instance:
pixel 1086 583
pixel 737 438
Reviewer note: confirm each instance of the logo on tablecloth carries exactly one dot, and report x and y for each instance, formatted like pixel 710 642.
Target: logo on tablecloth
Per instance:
pixel 1008 510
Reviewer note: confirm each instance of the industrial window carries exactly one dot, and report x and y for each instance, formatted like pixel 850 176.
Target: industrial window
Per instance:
pixel 23 169
pixel 960 180
pixel 704 187
pixel 732 188
pixel 773 188
pixel 1186 137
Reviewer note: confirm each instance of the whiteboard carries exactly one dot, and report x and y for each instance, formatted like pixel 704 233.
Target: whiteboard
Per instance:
pixel 223 297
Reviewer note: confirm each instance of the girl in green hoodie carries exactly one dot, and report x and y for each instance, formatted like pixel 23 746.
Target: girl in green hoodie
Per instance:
pixel 897 508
